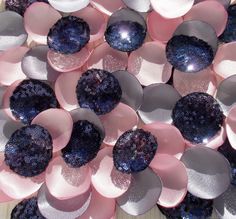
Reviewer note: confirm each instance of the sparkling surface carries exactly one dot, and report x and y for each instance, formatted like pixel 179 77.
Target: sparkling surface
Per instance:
pixel 198 116
pixel 29 150
pixel 68 35
pixel 134 151
pixel 189 54
pixel 191 208
pixel 84 144
pixel 99 91
pixel 125 36
pixel 30 98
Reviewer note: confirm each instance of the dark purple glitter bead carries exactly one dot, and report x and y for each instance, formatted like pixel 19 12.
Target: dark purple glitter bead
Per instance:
pixel 134 151
pixel 68 35
pixel 30 98
pixel 198 116
pixel 189 54
pixel 84 144
pixel 27 209
pixel 191 208
pixel 99 91
pixel 29 150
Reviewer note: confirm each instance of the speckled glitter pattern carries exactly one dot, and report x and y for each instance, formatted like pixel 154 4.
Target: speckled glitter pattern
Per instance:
pixel 27 209
pixel 191 208
pixel 68 35
pixel 189 54
pixel 134 151
pixel 30 98
pixel 84 144
pixel 198 116
pixel 29 150
pixel 99 91
pixel 125 36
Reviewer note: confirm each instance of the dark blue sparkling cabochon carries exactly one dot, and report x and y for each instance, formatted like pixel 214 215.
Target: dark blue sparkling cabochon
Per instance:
pixel 191 208
pixel 27 209
pixel 229 34
pixel 68 35
pixel 125 36
pixel 30 98
pixel 188 53
pixel 29 150
pixel 198 116
pixel 84 144
pixel 99 91
pixel 134 151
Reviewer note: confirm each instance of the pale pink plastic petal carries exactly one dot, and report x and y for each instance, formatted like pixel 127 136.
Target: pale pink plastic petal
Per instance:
pixel 67 97
pixel 106 179
pixel 118 121
pixel 165 133
pixel 160 28
pixel 225 3
pixel 65 182
pixel 231 126
pixel 39 18
pixel 174 179
pixel 10 65
pixel 149 64
pixel 5 198
pixel 59 124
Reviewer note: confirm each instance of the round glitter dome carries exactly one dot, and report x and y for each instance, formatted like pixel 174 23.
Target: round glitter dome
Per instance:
pixel 99 91
pixel 188 53
pixel 29 150
pixel 84 144
pixel 30 98
pixel 191 208
pixel 68 35
pixel 134 151
pixel 198 116
pixel 27 209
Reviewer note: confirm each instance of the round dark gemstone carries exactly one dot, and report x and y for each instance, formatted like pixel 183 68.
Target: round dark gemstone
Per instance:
pixel 188 53
pixel 30 98
pixel 191 208
pixel 229 34
pixel 125 36
pixel 84 144
pixel 68 35
pixel 198 116
pixel 134 151
pixel 230 155
pixel 29 150
pixel 99 91
pixel 27 209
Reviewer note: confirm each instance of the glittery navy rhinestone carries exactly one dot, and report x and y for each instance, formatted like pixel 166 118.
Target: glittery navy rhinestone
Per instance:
pixel 69 35
pixel 29 150
pixel 191 208
pixel 30 98
pixel 230 154
pixel 134 151
pixel 125 36
pixel 198 116
pixel 229 34
pixel 84 144
pixel 99 91
pixel 188 53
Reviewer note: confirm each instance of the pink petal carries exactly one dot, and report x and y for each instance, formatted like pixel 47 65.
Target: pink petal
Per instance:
pixel 67 97
pixel 4 198
pixel 59 124
pixel 231 126
pixel 44 16
pixel 108 181
pixel 174 179
pixel 149 64
pixel 10 65
pixel 160 28
pixel 118 121
pixel 65 182
pixel 165 133
pixel 225 3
